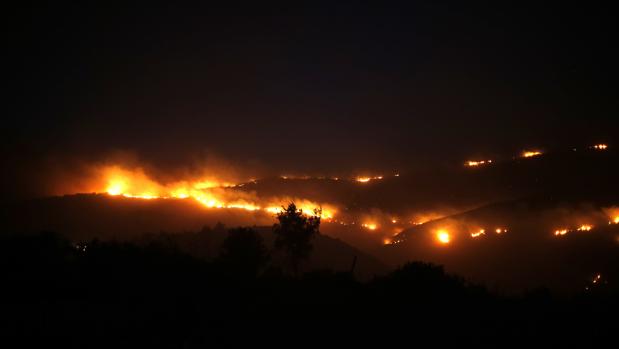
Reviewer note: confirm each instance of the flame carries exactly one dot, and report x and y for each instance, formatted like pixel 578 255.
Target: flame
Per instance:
pixel 531 153
pixel 443 237
pixel 475 163
pixel 585 227
pixel 600 146
pixel 362 179
pixel 371 226
pixel 210 192
pixel 387 241
pixel 560 232
pixel 478 233
pixel 500 230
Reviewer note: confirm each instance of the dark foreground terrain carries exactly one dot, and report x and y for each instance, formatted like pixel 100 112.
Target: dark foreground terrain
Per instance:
pixel 149 294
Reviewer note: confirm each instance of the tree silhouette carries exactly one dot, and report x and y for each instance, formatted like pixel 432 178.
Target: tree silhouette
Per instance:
pixel 243 252
pixel 293 234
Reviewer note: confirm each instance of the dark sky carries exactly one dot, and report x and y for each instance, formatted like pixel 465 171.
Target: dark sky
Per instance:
pixel 333 86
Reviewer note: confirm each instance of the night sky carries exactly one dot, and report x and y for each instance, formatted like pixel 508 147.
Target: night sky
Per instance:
pixel 329 87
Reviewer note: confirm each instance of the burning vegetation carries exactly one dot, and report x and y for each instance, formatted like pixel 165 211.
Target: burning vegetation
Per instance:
pixel 530 153
pixel 477 163
pixel 600 147
pixel 443 236
pixel 364 179
pixel 210 192
pixel 478 233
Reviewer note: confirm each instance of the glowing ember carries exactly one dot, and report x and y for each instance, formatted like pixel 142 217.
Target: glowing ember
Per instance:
pixel 387 241
pixel 530 154
pixel 478 233
pixel 472 163
pixel 394 221
pixel 560 232
pixel 443 237
pixel 500 230
pixel 600 146
pixel 597 278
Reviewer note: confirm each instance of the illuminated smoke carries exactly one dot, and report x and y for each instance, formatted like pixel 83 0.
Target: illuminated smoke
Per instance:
pixel 208 191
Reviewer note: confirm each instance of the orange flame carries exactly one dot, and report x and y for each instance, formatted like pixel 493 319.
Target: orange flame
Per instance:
pixel 475 163
pixel 210 192
pixel 443 237
pixel 531 153
pixel 371 226
pixel 363 179
pixel 585 227
pixel 478 233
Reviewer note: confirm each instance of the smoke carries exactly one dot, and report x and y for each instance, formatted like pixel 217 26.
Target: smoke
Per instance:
pixel 70 175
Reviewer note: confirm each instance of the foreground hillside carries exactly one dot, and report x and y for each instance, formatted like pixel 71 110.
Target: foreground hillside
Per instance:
pixel 105 294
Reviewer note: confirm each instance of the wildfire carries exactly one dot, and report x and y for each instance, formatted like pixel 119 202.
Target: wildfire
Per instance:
pixel 560 232
pixel 531 153
pixel 478 233
pixel 209 192
pixel 475 163
pixel 443 237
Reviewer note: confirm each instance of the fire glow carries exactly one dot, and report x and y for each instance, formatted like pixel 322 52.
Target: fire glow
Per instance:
pixel 367 179
pixel 209 192
pixel 370 226
pixel 531 153
pixel 475 163
pixel 443 237
pixel 565 231
pixel 478 233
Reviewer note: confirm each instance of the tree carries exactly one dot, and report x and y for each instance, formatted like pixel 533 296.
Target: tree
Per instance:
pixel 293 234
pixel 243 252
